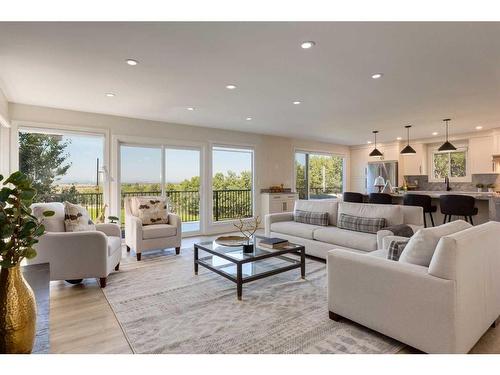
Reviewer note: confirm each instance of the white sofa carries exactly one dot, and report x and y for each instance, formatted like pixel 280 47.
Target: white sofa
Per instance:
pixel 318 240
pixel 76 255
pixel 151 237
pixel 443 308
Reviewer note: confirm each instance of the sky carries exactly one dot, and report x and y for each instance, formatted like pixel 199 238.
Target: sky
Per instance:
pixel 143 164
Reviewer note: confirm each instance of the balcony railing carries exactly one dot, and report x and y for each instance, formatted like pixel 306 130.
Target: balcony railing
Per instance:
pixel 227 204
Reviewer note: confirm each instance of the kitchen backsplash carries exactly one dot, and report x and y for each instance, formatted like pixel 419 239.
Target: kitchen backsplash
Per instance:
pixel 423 183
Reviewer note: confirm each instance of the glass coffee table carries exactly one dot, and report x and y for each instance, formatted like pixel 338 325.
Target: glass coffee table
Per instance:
pixel 239 267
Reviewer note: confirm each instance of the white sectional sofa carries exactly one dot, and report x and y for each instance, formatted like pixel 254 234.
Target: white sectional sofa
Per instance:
pixel 443 307
pixel 318 240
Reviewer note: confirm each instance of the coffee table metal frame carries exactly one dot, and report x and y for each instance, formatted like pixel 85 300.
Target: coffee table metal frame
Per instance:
pixel 240 279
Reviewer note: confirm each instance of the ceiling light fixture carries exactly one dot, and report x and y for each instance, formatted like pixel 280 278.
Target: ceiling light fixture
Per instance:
pixel 447 146
pixel 479 127
pixel 109 94
pixel 399 138
pixel 230 87
pixel 377 75
pixel 132 62
pixel 375 151
pixel 307 45
pixel 369 142
pixel 408 150
pixel 297 102
pixel 190 108
pixel 435 133
pixel 249 119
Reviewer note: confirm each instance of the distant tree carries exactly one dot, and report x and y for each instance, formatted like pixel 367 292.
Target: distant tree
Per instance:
pixel 43 158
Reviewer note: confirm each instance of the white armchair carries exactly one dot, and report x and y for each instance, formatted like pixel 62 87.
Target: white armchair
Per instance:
pixel 76 255
pixel 151 237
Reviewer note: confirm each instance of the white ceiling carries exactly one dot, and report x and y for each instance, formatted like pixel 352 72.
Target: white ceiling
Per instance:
pixel 431 71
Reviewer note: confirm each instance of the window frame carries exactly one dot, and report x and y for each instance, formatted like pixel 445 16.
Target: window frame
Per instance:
pixel 460 148
pixel 309 152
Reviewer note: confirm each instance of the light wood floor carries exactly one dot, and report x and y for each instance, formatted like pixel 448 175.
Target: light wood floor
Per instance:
pixel 81 320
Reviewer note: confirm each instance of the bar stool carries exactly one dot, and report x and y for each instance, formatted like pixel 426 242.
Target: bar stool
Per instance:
pixel 458 205
pixel 423 201
pixel 380 198
pixel 353 197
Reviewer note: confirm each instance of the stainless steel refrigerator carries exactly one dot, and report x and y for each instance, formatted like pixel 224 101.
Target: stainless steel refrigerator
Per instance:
pixel 387 169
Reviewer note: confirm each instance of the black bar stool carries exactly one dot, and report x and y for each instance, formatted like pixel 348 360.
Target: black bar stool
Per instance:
pixel 353 197
pixel 458 205
pixel 380 198
pixel 423 201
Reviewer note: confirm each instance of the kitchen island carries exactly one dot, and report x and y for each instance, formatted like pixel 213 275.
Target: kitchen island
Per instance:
pixel 486 203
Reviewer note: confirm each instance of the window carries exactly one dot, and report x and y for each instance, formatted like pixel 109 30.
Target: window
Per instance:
pixel 318 176
pixel 64 167
pixel 452 164
pixel 232 183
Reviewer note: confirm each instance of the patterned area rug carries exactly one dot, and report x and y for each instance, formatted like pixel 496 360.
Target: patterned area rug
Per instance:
pixel 164 308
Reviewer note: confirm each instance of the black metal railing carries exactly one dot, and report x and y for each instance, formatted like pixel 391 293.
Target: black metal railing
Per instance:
pixel 232 204
pixel 318 192
pixel 227 204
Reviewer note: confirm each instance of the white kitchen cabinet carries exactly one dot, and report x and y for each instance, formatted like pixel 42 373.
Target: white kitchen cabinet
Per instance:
pixel 273 203
pixel 480 153
pixel 414 165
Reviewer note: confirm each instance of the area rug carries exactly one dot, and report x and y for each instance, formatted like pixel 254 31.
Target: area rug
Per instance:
pixel 164 308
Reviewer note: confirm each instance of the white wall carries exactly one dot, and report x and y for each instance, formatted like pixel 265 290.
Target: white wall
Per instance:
pixel 4 134
pixel 274 156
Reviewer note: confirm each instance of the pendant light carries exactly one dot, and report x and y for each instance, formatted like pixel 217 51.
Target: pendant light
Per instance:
pixel 375 151
pixel 447 146
pixel 408 150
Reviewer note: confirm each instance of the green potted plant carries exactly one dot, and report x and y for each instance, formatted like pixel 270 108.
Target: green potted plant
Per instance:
pixel 479 187
pixel 19 231
pixel 491 188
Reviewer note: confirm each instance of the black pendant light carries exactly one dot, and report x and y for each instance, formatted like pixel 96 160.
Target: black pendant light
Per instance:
pixel 375 151
pixel 447 146
pixel 408 150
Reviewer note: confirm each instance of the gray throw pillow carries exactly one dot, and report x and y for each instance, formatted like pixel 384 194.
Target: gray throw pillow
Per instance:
pixel 361 224
pixel 395 249
pixel 309 217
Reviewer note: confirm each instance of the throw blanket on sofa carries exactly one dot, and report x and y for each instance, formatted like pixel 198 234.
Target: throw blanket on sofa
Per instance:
pixel 402 230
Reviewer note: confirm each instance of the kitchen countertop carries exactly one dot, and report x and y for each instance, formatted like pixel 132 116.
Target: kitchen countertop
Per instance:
pixel 436 194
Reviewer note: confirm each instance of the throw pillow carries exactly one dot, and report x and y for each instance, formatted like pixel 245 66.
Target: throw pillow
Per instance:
pixel 361 224
pixel 309 217
pixel 77 218
pixel 151 210
pixel 395 249
pixel 422 245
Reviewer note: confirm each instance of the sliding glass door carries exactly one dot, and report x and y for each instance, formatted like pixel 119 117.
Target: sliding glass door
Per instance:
pixel 162 170
pixel 182 185
pixel 318 176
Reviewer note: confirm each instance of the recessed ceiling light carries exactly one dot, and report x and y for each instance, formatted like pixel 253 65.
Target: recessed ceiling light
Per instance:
pixel 249 119
pixel 399 138
pixel 435 133
pixel 308 44
pixel 479 127
pixel 132 62
pixel 297 102
pixel 369 142
pixel 190 108
pixel 377 75
pixel 230 87
pixel 109 94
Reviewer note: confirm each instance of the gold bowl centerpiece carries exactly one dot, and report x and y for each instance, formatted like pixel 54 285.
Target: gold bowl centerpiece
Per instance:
pixel 19 231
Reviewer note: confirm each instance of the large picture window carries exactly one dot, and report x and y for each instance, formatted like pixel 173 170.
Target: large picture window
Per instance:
pixel 452 164
pixel 232 183
pixel 64 167
pixel 318 176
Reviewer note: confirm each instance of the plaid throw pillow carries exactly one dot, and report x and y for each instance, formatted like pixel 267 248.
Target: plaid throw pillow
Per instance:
pixel 308 217
pixel 395 249
pixel 360 224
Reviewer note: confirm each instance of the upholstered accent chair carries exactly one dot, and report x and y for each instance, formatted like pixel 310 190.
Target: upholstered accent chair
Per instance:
pixel 142 238
pixel 74 256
